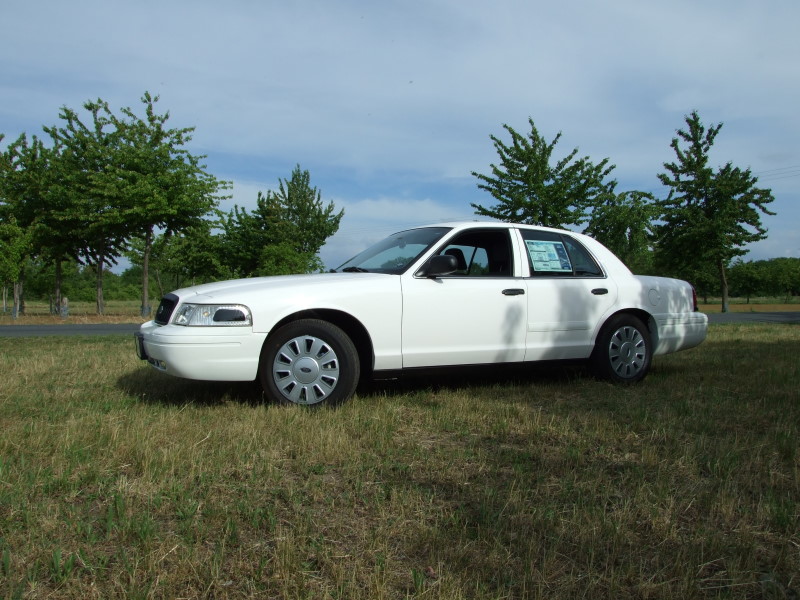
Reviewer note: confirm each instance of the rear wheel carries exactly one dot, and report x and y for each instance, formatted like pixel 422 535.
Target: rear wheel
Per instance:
pixel 309 362
pixel 623 350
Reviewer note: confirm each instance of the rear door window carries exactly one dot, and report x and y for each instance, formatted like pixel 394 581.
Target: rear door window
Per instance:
pixel 552 254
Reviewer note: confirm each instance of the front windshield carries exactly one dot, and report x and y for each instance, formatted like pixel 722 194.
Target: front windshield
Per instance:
pixel 395 253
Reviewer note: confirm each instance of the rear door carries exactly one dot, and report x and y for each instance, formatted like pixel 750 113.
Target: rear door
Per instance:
pixel 568 296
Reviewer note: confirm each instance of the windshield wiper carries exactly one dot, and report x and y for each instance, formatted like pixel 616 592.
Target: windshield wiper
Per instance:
pixel 354 270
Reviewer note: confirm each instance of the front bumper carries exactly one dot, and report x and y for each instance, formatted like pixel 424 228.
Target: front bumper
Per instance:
pixel 203 353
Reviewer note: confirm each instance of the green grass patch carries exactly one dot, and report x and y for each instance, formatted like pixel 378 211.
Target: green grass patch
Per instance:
pixel 117 481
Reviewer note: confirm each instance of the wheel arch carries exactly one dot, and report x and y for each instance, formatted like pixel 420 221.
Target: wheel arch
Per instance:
pixel 354 329
pixel 644 316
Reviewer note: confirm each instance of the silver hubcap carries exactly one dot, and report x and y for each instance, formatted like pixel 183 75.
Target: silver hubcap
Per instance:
pixel 627 352
pixel 305 370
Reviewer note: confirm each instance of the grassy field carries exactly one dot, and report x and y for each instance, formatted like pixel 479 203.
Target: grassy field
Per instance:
pixel 116 481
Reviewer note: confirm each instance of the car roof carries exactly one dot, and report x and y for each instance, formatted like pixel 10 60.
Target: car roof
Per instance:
pixel 492 225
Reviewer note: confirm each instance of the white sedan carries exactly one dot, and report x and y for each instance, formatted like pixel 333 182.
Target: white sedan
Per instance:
pixel 445 295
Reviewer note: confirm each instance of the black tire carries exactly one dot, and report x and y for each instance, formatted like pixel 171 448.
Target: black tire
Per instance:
pixel 309 362
pixel 623 350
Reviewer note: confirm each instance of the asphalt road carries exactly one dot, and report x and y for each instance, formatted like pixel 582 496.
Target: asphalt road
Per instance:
pixel 67 329
pixel 129 328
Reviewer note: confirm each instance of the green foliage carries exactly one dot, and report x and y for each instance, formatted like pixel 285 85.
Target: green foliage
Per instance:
pixel 282 258
pixel 745 279
pixel 709 216
pixel 529 189
pixel 284 233
pixel 14 247
pixel 777 276
pixel 185 258
pixel 623 223
pixel 28 198
pixel 92 212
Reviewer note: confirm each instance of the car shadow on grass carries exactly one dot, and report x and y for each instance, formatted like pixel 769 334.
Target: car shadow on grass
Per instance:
pixel 460 378
pixel 152 387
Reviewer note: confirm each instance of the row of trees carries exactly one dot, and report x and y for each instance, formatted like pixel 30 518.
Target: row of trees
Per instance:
pixel 103 185
pixel 705 221
pixel 774 277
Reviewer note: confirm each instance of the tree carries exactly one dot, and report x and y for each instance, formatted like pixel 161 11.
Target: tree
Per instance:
pixel 623 223
pixel 92 210
pixel 784 276
pixel 28 202
pixel 14 241
pixel 746 279
pixel 708 216
pixel 529 189
pixel 161 183
pixel 285 231
pixel 14 248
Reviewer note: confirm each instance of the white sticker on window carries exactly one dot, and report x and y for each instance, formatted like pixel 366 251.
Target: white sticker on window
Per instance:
pixel 549 257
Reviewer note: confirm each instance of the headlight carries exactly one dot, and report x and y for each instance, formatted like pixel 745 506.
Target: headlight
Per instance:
pixel 213 315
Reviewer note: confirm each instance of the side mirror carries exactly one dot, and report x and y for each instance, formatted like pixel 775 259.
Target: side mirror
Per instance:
pixel 441 264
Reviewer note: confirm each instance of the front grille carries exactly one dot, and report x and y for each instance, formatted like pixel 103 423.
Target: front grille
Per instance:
pixel 164 312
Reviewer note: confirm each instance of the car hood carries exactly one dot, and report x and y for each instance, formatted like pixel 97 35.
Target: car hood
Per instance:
pixel 238 290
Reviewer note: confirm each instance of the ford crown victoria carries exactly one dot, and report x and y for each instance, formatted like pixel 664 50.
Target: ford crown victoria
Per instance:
pixel 451 294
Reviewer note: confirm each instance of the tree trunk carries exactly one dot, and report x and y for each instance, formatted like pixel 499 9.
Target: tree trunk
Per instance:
pixel 57 291
pixel 159 284
pixel 723 282
pixel 101 305
pixel 148 245
pixel 15 308
pixel 21 293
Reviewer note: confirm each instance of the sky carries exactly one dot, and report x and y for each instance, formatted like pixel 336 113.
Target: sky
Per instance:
pixel 390 104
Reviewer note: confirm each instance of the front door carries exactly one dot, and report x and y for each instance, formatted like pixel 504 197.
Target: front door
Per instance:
pixel 476 315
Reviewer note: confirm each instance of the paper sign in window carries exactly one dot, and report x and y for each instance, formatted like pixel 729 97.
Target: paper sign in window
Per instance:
pixel 548 257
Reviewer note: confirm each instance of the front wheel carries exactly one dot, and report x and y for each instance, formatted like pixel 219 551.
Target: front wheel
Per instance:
pixel 309 362
pixel 623 350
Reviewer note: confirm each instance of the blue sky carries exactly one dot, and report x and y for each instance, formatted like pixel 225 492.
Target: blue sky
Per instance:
pixel 390 104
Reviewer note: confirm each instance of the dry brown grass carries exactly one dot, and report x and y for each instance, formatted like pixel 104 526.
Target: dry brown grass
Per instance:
pixel 38 313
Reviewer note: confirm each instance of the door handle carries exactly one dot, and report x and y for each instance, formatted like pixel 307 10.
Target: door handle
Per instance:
pixel 513 292
pixel 599 291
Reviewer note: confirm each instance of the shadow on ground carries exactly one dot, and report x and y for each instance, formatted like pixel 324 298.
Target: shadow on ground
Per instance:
pixel 152 387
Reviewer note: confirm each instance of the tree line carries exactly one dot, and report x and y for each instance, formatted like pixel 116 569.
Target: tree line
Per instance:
pixel 101 185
